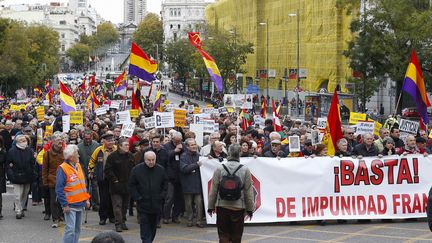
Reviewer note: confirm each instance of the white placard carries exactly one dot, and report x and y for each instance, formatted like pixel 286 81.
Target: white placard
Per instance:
pixel 216 127
pixel 149 122
pixel 322 122
pixel 365 128
pixel 209 126
pixel 46 103
pixel 190 108
pixel 198 118
pixel 101 111
pixel 198 130
pixel 115 104
pixel 123 117
pixel 208 110
pixel 294 143
pixel 315 137
pixel 164 119
pixel 127 130
pixel 409 126
pixel 66 123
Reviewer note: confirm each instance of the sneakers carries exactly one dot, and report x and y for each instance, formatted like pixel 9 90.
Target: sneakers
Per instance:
pixel 124 227
pixel 47 217
pixel 118 228
pixel 55 224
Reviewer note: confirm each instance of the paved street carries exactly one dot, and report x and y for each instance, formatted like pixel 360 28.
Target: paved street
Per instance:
pixel 34 229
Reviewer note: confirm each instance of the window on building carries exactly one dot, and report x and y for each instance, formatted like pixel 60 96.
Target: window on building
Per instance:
pixel 179 12
pixel 63 35
pixel 63 22
pixel 175 36
pixel 171 12
pixel 171 26
pixel 63 47
pixel 178 26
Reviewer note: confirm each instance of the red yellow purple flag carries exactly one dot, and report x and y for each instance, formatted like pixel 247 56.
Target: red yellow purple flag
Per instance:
pixel 333 131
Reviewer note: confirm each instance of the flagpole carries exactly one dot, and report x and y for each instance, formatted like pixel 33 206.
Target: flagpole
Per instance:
pixel 397 104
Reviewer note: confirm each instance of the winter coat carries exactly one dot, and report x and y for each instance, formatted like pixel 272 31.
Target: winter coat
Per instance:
pixel 85 153
pixel 173 166
pixel 148 187
pixel 117 171
pixel 360 149
pixel 161 156
pixel 21 165
pixel 190 175
pixel 2 170
pixel 51 161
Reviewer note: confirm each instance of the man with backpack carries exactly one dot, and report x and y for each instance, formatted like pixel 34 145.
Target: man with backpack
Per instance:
pixel 231 197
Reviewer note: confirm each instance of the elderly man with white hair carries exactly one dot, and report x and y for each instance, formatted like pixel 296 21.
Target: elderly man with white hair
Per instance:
pixel 71 193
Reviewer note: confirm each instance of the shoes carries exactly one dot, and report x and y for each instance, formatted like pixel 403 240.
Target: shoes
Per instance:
pixel 34 203
pixel 165 221
pixel 131 212
pixel 112 220
pixel 102 222
pixel 124 227
pixel 1 216
pixel 61 218
pixel 55 224
pixel 118 228
pixel 95 208
pixel 200 225
pixel 176 220
pixel 19 216
pixel 322 222
pixel 159 225
pixel 189 224
pixel 47 217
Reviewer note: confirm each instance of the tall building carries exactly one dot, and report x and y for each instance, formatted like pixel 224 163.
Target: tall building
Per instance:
pixel 134 11
pixel 181 16
pixel 314 32
pixel 78 5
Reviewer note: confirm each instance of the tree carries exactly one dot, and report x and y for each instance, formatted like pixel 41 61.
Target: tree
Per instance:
pixel 106 35
pixel 180 56
pixel 79 54
pixel 149 35
pixel 385 35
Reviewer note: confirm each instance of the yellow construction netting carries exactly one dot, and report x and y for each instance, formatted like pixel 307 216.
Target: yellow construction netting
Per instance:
pixel 324 34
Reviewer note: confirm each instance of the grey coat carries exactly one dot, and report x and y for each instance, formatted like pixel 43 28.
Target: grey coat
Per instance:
pixel 190 175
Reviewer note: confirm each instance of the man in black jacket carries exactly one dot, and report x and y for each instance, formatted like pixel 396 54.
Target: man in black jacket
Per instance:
pixel 174 194
pixel 148 185
pixel 399 144
pixel 117 171
pixel 367 148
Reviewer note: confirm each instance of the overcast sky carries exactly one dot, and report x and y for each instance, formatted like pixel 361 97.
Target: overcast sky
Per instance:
pixel 111 10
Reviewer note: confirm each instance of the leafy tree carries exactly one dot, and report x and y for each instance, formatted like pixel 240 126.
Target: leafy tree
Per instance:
pixel 180 56
pixel 106 35
pixel 79 54
pixel 385 35
pixel 149 34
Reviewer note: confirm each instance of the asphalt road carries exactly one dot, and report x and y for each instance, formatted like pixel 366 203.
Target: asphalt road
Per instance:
pixel 32 228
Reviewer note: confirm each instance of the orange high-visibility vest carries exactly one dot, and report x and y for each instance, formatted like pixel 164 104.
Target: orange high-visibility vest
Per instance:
pixel 75 188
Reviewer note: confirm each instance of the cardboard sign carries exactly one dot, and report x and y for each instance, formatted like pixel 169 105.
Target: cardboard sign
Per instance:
pixel 356 117
pixel 164 119
pixel 76 117
pixel 223 110
pixel 40 112
pixel 198 130
pixel 14 107
pixel 207 110
pixel 123 117
pixel 315 137
pixel 294 143
pixel 180 117
pixel 48 131
pixel 198 119
pixel 39 136
pixel 127 130
pixel 408 126
pixel 66 123
pixel 115 104
pixel 365 128
pixel 101 111
pixel 149 122
pixel 134 113
pixel 209 126
pixel 196 110
pixel 322 122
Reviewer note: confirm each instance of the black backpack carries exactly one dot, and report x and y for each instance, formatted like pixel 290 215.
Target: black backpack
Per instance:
pixel 230 186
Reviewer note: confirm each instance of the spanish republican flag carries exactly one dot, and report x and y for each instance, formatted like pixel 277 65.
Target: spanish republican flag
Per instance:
pixel 141 65
pixel 333 131
pixel 67 101
pixel 414 85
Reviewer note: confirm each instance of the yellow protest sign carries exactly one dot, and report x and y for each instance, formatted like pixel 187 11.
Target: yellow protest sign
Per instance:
pixel 180 117
pixel 5 111
pixel 48 131
pixel 230 109
pixel 166 102
pixel 430 134
pixel 23 107
pixel 134 113
pixel 76 117
pixel 40 111
pixel 377 128
pixel 209 105
pixel 196 110
pixel 356 117
pixel 14 107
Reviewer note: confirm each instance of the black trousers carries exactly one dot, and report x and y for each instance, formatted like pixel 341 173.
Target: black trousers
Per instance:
pixel 148 223
pixel 105 208
pixel 230 224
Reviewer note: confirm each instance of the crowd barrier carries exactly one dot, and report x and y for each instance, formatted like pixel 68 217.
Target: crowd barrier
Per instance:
pixel 325 188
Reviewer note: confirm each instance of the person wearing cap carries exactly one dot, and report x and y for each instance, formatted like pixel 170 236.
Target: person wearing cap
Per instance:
pixel 96 170
pixel 276 150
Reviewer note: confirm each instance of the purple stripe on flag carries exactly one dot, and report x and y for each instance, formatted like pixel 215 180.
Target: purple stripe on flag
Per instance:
pixel 65 107
pixel 156 104
pixel 140 73
pixel 411 88
pixel 216 79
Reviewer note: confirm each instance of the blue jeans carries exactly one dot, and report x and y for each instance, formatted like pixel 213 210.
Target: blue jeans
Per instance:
pixel 148 223
pixel 73 225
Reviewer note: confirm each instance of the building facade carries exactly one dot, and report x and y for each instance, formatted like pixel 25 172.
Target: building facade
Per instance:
pixel 314 32
pixel 134 11
pixel 181 16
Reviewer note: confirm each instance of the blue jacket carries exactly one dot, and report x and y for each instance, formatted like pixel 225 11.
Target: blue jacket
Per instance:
pixel 59 188
pixel 190 175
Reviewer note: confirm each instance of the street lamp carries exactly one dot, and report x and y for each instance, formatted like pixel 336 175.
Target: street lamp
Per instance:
pixel 267 31
pixel 298 57
pixel 233 33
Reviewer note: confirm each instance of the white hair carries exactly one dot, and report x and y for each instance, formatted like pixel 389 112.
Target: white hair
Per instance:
pixel 176 134
pixel 69 151
pixel 276 134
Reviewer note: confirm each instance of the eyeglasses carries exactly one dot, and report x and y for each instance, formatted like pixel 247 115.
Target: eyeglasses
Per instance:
pixel 351 133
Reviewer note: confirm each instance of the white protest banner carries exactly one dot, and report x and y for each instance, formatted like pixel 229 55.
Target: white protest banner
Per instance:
pixel 242 101
pixel 408 126
pixel 149 122
pixel 198 118
pixel 101 111
pixel 164 119
pixel 324 188
pixel 127 130
pixel 198 130
pixel 365 127
pixel 123 117
pixel 322 122
pixel 66 123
